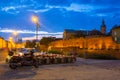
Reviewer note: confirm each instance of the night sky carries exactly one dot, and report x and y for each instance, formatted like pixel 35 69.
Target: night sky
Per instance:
pixel 55 16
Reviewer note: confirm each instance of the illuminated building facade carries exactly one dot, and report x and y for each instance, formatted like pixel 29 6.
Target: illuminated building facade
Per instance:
pixel 70 34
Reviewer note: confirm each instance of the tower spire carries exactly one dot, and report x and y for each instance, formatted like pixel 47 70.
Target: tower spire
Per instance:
pixel 103 22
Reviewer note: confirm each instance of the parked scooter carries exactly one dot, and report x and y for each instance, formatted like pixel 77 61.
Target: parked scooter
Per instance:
pixel 26 60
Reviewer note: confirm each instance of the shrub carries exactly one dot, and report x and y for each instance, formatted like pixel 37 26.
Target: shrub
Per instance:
pixel 107 55
pixel 81 55
pixel 100 56
pixel 54 52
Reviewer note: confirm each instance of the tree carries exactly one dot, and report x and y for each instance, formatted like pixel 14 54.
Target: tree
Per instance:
pixel 33 43
pixel 46 40
pixel 28 44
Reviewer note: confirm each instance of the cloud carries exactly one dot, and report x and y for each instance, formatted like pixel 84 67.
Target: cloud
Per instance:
pixel 68 5
pixel 41 33
pixel 39 10
pixel 40 37
pixel 77 7
pixel 13 7
pixel 99 14
pixel 18 31
pixel 27 31
pixel 89 9
pixel 73 7
pixel 38 7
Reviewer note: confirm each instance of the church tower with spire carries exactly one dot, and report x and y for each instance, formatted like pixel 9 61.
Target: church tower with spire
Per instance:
pixel 103 27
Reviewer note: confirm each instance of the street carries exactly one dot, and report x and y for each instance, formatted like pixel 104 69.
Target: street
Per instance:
pixel 83 69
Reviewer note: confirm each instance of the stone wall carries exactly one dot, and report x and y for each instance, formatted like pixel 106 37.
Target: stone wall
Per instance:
pixel 87 43
pixel 99 45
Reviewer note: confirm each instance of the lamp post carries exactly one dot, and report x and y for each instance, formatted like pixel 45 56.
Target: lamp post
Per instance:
pixel 35 20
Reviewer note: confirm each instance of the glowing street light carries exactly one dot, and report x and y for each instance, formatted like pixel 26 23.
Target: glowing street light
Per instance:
pixel 35 20
pixel 15 34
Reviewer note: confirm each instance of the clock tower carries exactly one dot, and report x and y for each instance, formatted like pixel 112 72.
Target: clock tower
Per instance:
pixel 103 27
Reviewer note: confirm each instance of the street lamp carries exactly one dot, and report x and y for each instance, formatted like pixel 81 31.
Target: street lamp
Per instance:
pixel 35 20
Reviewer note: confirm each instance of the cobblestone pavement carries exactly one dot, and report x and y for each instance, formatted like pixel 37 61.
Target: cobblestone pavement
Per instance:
pixel 83 69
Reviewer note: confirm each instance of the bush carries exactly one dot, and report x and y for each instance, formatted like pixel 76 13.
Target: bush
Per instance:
pixel 81 55
pixel 54 52
pixel 100 56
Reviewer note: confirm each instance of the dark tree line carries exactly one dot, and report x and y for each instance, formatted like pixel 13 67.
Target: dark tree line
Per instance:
pixel 44 41
pixel 30 44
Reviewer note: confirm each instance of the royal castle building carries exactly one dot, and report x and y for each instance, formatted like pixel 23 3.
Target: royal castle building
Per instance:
pixel 94 39
pixel 70 34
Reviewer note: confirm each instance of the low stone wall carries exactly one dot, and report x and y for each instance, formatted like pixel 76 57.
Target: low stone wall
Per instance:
pixel 89 43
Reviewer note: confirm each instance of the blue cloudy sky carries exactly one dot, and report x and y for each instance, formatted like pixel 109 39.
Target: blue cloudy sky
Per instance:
pixel 55 16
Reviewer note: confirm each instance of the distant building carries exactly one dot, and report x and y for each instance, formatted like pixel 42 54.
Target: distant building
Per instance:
pixel 1 42
pixel 69 33
pixel 115 33
pixel 4 43
pixel 19 40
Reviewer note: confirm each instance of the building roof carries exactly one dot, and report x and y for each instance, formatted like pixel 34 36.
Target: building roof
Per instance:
pixel 1 37
pixel 95 32
pixel 85 32
pixel 116 27
pixel 70 30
